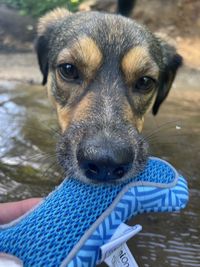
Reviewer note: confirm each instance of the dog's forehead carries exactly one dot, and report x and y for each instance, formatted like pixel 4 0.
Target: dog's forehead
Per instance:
pixel 113 30
pixel 113 34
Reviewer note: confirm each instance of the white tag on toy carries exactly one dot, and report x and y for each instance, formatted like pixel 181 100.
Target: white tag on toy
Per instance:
pixel 116 252
pixel 121 257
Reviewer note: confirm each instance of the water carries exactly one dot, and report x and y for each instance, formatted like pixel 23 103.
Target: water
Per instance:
pixel 28 131
pixel 27 142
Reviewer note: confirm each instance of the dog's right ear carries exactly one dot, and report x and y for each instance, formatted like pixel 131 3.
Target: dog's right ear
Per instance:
pixel 45 23
pixel 172 61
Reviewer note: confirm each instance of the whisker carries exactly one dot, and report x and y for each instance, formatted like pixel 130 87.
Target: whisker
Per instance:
pixel 169 136
pixel 174 143
pixel 36 130
pixel 49 168
pixel 39 157
pixel 55 130
pixel 24 124
pixel 161 128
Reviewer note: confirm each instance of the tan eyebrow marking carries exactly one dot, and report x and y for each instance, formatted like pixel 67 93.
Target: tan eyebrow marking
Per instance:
pixel 138 60
pixel 85 53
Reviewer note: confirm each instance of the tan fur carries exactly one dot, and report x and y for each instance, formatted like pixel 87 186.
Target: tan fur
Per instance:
pixel 137 61
pixel 64 116
pixel 49 92
pixel 140 124
pixel 86 55
pixel 50 18
pixel 80 112
pixel 131 118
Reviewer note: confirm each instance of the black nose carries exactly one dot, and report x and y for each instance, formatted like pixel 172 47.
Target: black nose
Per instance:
pixel 104 159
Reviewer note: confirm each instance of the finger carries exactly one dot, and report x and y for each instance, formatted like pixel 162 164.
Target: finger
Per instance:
pixel 7 260
pixel 13 210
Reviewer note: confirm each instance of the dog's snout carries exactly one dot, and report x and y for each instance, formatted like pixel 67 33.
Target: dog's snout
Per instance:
pixel 101 159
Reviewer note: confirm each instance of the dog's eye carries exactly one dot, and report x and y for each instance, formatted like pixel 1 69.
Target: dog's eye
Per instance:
pixel 68 72
pixel 144 84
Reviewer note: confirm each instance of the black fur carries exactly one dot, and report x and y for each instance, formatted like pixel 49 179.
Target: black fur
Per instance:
pixel 125 7
pixel 172 61
pixel 41 47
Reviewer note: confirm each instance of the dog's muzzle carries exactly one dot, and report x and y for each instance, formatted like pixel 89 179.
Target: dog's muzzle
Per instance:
pixel 104 159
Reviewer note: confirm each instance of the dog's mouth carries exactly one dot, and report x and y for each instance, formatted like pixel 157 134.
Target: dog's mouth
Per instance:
pixel 101 157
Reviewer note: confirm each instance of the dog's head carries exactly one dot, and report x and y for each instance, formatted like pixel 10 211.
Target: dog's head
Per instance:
pixel 103 73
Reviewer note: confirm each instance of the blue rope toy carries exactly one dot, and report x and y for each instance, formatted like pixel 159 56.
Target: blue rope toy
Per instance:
pixel 74 221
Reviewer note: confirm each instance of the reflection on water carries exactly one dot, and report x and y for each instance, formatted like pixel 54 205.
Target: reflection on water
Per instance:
pixel 27 166
pixel 26 142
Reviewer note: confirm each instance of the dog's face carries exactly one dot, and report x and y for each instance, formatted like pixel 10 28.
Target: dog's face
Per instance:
pixel 103 73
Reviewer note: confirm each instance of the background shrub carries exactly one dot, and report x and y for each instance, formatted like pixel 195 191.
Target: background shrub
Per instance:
pixel 36 8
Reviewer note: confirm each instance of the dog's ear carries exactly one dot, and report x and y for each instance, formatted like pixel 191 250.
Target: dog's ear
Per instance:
pixel 41 48
pixel 125 7
pixel 171 62
pixel 45 25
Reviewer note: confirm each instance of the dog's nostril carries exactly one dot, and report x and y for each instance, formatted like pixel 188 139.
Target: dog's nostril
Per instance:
pixel 119 172
pixel 104 172
pixel 102 159
pixel 93 168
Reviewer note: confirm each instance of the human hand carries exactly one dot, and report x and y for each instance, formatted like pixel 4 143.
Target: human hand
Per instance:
pixel 9 212
pixel 13 210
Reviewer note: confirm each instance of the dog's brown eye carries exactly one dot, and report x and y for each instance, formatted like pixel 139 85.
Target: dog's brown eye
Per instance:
pixel 68 72
pixel 144 84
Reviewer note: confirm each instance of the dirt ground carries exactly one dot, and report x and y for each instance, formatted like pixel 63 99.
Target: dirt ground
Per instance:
pixel 177 21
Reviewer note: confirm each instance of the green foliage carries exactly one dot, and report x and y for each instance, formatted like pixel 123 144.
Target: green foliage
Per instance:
pixel 36 8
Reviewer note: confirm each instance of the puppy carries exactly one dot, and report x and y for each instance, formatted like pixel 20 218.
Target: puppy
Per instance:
pixel 103 73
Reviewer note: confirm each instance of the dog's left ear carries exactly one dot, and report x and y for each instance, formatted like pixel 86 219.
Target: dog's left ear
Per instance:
pixel 45 25
pixel 171 62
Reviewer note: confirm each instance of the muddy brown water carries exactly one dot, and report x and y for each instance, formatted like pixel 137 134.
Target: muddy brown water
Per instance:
pixel 28 132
